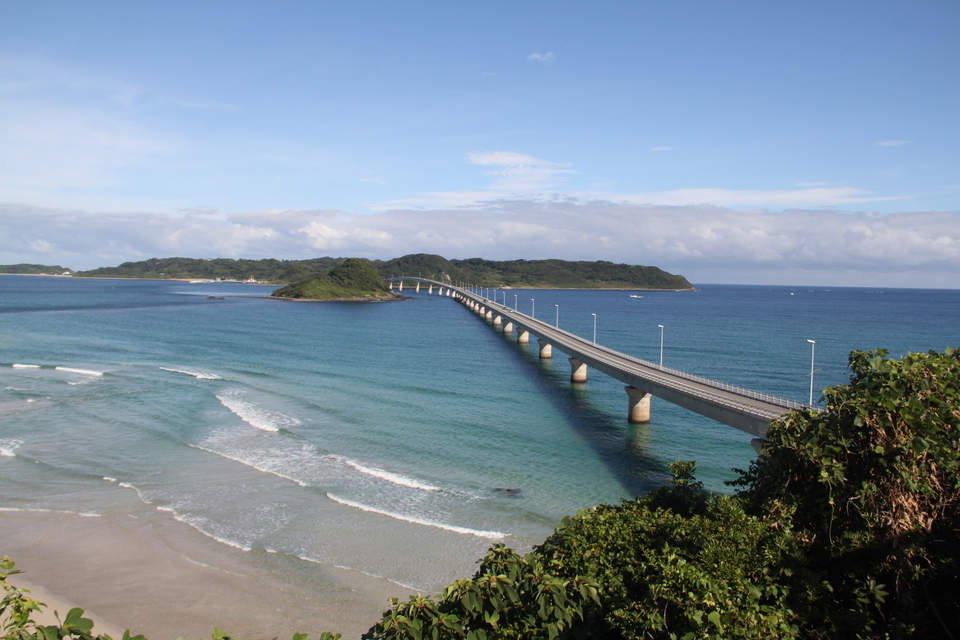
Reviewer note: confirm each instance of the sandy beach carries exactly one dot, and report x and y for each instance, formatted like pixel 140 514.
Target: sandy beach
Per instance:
pixel 164 580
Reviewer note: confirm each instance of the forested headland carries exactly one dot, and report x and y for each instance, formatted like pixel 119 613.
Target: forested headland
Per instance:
pixel 558 274
pixel 33 269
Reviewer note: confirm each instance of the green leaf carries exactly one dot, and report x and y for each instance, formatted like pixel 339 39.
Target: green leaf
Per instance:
pixel 714 617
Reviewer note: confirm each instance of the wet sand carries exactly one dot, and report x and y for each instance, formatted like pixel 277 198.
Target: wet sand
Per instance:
pixel 163 579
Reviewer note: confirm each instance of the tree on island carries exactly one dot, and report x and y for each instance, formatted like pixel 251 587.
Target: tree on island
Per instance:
pixel 846 526
pixel 352 279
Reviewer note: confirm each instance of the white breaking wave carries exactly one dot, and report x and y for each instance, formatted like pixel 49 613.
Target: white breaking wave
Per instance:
pixel 26 366
pixel 448 527
pixel 255 415
pixel 187 521
pixel 86 372
pixel 199 375
pixel 8 447
pixel 273 472
pixel 389 476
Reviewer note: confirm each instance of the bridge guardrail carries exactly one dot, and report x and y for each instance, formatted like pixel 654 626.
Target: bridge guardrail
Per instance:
pixel 778 401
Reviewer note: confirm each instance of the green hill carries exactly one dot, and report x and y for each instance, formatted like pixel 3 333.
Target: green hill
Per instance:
pixel 33 269
pixel 536 274
pixel 267 270
pixel 353 279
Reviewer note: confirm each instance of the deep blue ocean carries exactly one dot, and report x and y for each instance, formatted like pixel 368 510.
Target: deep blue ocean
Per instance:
pixel 379 437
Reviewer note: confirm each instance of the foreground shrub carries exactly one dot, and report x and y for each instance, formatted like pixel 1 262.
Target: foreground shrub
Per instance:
pixel 871 489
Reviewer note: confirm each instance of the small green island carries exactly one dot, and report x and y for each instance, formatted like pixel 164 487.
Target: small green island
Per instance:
pixel 352 279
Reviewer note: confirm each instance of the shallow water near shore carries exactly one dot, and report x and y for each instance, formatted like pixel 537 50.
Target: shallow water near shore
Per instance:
pixel 380 438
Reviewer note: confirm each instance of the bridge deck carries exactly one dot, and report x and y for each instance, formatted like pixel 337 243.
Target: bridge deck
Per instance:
pixel 737 407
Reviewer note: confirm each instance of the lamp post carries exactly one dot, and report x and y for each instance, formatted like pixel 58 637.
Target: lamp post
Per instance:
pixel 533 308
pixel 514 302
pixel 813 353
pixel 661 344
pixel 594 328
pixel 558 315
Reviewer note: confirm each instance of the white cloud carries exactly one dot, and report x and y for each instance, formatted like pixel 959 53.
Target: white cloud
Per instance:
pixel 521 175
pixel 542 57
pixel 894 143
pixel 518 172
pixel 704 242
pixel 808 197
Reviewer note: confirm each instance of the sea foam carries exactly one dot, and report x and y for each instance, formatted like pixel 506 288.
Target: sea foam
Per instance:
pixel 248 463
pixel 8 447
pixel 26 366
pixel 439 525
pixel 389 476
pixel 254 415
pixel 86 372
pixel 199 375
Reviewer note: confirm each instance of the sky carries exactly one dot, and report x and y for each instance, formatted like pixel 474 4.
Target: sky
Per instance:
pixel 762 142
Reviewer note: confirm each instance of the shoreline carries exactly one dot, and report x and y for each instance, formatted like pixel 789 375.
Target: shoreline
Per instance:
pixel 282 284
pixel 160 578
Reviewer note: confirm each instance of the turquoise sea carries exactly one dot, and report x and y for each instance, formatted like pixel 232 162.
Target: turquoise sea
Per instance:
pixel 381 437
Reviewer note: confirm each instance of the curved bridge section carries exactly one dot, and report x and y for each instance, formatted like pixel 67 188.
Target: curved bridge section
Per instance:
pixel 740 408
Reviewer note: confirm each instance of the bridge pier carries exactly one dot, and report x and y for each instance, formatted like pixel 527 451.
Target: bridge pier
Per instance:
pixel 639 405
pixel 489 314
pixel 497 320
pixel 401 286
pixel 418 286
pixel 546 349
pixel 523 336
pixel 430 290
pixel 578 371
pixel 508 328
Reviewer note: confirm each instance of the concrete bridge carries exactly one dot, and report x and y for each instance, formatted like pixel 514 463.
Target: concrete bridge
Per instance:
pixel 737 407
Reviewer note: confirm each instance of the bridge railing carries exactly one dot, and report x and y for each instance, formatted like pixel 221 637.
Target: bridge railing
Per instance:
pixel 723 386
pixel 743 391
pixel 698 392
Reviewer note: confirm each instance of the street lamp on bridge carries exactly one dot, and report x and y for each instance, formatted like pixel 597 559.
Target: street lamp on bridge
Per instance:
pixel 813 353
pixel 594 328
pixel 661 344
pixel 533 308
pixel 558 315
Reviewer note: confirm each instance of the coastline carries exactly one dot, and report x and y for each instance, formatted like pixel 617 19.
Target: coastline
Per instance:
pixel 282 284
pixel 160 578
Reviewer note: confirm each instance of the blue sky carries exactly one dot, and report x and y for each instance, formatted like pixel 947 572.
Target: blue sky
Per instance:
pixel 753 142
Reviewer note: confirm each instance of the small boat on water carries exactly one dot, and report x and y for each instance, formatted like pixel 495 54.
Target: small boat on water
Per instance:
pixel 635 296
